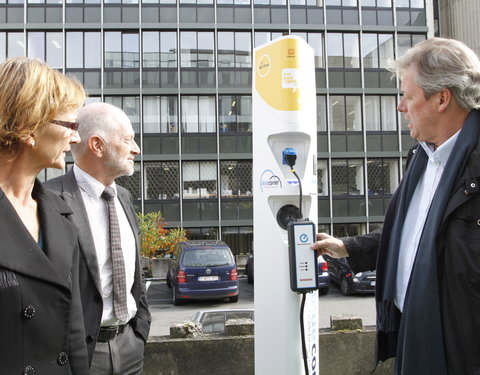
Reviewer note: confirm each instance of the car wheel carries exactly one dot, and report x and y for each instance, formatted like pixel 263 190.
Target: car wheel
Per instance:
pixel 176 301
pixel 323 291
pixel 345 287
pixel 233 299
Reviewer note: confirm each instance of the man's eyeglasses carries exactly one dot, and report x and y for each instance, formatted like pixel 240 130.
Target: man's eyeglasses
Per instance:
pixel 67 124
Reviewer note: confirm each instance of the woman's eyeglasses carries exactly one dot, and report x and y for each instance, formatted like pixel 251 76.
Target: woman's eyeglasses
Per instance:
pixel 67 124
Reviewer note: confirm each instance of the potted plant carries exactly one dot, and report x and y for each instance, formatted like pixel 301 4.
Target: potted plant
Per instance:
pixel 157 243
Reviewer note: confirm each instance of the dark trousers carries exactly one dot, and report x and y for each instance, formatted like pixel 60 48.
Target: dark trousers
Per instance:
pixel 122 355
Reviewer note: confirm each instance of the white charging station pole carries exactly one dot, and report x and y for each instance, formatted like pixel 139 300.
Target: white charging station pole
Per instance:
pixel 284 116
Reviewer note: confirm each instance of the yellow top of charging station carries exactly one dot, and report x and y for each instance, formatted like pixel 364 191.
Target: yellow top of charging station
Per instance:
pixel 279 79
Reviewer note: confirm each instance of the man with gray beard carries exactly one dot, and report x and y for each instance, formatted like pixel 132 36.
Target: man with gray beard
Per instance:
pixel 116 316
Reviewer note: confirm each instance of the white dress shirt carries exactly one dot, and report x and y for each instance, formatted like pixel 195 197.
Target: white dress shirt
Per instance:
pixel 417 213
pixel 97 210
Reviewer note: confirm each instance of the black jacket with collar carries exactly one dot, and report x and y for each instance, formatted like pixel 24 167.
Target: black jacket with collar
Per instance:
pixel 458 247
pixel 67 188
pixel 41 320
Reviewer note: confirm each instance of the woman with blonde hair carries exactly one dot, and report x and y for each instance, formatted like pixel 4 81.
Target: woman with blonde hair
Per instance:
pixel 41 322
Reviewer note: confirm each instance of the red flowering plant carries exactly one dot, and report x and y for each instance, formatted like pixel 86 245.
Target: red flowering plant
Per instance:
pixel 156 241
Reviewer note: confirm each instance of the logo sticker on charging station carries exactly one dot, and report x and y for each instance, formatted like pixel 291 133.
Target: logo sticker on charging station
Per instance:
pixel 268 180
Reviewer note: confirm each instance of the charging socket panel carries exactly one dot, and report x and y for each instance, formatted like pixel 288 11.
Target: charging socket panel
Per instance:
pixel 303 260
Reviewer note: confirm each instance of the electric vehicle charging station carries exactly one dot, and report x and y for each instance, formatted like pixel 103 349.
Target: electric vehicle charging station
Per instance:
pixel 284 125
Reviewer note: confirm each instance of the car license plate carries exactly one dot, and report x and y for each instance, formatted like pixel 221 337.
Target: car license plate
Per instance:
pixel 372 283
pixel 207 278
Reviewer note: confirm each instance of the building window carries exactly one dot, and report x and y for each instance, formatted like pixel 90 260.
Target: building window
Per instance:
pixel 383 177
pixel 407 41
pixel 347 177
pixel 239 239
pixel 411 13
pixel 377 50
pixel 132 183
pixel 380 113
pixel 196 49
pixel 418 4
pixel 346 113
pixel 236 2
pixel 121 50
pixel 236 179
pixel 199 180
pixel 159 49
pixel 269 2
pixel 82 50
pixel 345 3
pixel 343 50
pixel 348 229
pixel 377 3
pixel 121 1
pixel 234 49
pixel 235 113
pixel 323 193
pixel 12 45
pixel 160 114
pixel 262 37
pixel 198 114
pixel 312 3
pixel 47 46
pixel 322 177
pixel 202 233
pixel 321 113
pixel 162 180
pixel 343 56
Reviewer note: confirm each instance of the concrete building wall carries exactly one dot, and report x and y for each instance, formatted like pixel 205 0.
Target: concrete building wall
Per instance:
pixel 459 19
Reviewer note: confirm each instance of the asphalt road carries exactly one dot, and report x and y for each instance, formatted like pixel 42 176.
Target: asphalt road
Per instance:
pixel 164 313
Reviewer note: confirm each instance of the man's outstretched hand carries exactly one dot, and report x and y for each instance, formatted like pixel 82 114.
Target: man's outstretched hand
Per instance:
pixel 330 246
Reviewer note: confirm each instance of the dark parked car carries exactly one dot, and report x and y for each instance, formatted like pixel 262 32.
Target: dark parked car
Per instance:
pixel 323 275
pixel 249 269
pixel 213 321
pixel 203 270
pixel 350 283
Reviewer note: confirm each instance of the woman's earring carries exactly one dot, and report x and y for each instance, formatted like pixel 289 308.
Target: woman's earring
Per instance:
pixel 32 143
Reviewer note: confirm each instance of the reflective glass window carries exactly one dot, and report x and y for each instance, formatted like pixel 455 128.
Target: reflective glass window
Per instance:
pixel 343 50
pixel 92 48
pixel 198 114
pixel 74 49
pixel 160 114
pixel 199 180
pixel 346 113
pixel 3 46
pixel 235 113
pixel 347 177
pixel 196 49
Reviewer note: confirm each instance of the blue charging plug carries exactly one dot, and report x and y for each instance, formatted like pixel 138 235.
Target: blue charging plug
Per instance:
pixel 289 156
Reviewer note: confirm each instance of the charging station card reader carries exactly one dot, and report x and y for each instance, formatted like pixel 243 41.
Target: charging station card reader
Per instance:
pixel 303 260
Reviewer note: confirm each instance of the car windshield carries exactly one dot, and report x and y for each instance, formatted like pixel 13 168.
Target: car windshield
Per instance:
pixel 207 258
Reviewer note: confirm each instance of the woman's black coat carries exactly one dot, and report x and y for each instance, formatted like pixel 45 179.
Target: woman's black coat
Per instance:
pixel 41 322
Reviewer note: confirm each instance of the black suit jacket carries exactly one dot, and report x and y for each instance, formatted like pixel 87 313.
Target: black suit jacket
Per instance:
pixel 40 312
pixel 67 188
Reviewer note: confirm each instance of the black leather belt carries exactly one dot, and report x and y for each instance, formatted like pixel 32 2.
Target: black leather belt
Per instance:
pixel 109 333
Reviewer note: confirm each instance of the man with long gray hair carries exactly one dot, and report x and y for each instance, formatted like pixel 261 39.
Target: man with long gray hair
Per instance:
pixel 428 255
pixel 117 320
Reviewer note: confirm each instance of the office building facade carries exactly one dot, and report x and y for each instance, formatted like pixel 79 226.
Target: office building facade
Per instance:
pixel 182 71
